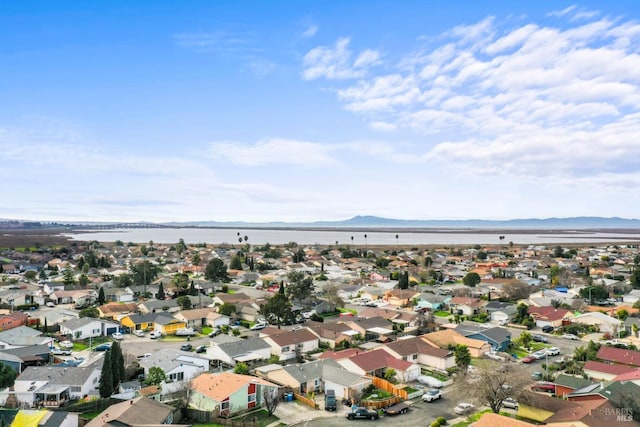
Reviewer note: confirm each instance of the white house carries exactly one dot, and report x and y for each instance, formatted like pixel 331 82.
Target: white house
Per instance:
pixel 51 386
pixel 88 327
pixel 216 320
pixel 287 345
pixel 178 366
pixel 23 336
pixel 605 323
pixel 238 350
pixel 416 350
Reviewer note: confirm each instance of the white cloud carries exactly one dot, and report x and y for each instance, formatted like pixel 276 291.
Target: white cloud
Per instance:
pixel 529 102
pixel 563 12
pixel 310 31
pixel 337 62
pixel 274 151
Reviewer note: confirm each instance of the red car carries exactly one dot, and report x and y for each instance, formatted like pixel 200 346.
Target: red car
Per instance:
pixel 545 387
pixel 528 359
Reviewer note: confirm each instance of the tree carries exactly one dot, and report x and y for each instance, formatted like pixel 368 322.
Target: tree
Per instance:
pixel 160 295
pixel 181 247
pixel 300 286
pixel 277 308
pixel 622 314
pixel 7 376
pixel 241 369
pixel 270 399
pixel 492 385
pixel 195 259
pixel 67 277
pixel 216 270
pixel 481 255
pixel 155 376
pixel 462 358
pixel 30 275
pixel 591 293
pixel 635 273
pixel 180 281
pixel 192 289
pixel 124 280
pixel 390 375
pixel 236 263
pixel 403 280
pixel 117 364
pixel 101 297
pixel 522 311
pixel 227 309
pixel 143 273
pixel 184 302
pixel 331 294
pixel 105 386
pixel 525 339
pixel 89 312
pixel 471 279
pixel 516 291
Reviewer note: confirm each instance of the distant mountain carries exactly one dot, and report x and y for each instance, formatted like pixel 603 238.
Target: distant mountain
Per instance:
pixel 359 221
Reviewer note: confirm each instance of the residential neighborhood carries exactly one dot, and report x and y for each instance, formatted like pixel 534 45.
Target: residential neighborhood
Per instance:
pixel 196 334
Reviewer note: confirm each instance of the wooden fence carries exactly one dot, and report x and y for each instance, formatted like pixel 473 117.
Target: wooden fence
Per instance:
pixel 385 385
pixel 379 404
pixel 210 417
pixel 309 402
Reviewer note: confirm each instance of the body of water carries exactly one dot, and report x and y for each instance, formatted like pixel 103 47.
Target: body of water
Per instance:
pixel 373 237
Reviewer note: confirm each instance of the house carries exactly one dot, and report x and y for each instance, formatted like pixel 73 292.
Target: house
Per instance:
pixel 345 384
pixel 605 324
pixel 52 386
pixel 118 295
pixel 236 350
pixel 23 336
pixel 372 328
pixel 302 378
pixel 196 318
pixel 620 393
pixel 162 322
pixel 177 365
pixel 13 320
pixel 216 320
pixel 376 362
pixel 249 311
pixel 291 344
pixel 466 305
pixel 229 394
pixel 566 384
pixel 417 350
pixel 604 371
pixel 433 302
pixel 116 311
pixel 501 312
pixel 139 322
pixel 619 356
pixel 331 333
pixel 87 327
pixel 449 338
pixel 133 413
pixel 549 316
pixel 78 297
pixel 498 338
pixel 20 357
pixel 159 306
pixel 400 297
pixel 220 298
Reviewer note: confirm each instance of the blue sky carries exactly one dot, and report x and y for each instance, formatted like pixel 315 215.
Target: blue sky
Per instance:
pixel 318 110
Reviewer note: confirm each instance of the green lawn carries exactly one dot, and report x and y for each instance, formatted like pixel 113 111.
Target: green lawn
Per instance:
pixel 79 346
pixel 442 314
pixel 172 338
pixel 206 330
pixel 90 415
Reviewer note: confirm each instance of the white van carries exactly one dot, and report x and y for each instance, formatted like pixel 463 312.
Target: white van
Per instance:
pixel 155 334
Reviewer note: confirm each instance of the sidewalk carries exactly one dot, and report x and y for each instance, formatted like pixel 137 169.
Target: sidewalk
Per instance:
pixel 293 413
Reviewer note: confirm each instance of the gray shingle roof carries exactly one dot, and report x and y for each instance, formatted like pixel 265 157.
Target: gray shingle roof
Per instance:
pixel 238 348
pixel 57 375
pixel 84 321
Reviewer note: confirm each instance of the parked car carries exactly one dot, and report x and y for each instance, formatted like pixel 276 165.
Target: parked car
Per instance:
pixel 431 395
pixel 553 351
pixel 547 329
pixel 361 413
pixel 186 347
pixel 430 381
pixel 138 333
pixel 259 326
pixel 155 334
pixel 545 387
pixel 540 354
pixel 117 336
pixel 215 333
pixel 201 349
pixel 398 408
pixel 50 304
pixel 536 375
pixel 463 408
pixel 103 347
pixel 510 403
pixel 528 359
pixel 65 344
pixel 60 352
pixel 571 337
pixel 144 356
pixel 539 338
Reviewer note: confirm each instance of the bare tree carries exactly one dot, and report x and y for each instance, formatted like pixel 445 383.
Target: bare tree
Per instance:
pixel 491 384
pixel 271 399
pixel 516 290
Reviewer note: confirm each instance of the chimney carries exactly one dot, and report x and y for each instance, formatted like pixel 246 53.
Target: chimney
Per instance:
pixel 131 402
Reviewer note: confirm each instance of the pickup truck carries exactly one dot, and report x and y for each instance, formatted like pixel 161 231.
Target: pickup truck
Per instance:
pixel 361 413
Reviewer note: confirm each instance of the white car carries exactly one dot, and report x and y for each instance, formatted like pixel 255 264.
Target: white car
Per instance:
pixel 155 334
pixel 117 336
pixel 540 354
pixel 510 403
pixel 65 344
pixel 259 326
pixel 463 408
pixel 571 337
pixel 553 351
pixel 431 395
pixel 138 333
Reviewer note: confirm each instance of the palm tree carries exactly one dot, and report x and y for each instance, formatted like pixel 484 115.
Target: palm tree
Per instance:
pixel 397 243
pixel 365 240
pixel 352 240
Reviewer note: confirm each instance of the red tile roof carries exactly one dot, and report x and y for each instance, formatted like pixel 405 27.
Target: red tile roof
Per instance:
pixel 629 376
pixel 592 365
pixel 619 355
pixel 373 360
pixel 548 313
